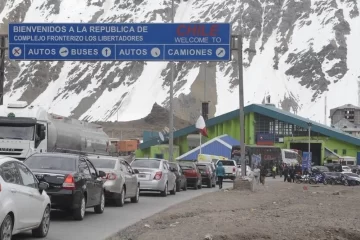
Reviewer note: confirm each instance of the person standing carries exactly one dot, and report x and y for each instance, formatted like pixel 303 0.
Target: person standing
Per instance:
pixel 274 171
pixel 286 173
pixel 292 173
pixel 220 173
pixel 263 173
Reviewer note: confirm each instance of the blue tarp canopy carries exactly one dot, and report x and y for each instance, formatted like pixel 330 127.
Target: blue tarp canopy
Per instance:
pixel 219 146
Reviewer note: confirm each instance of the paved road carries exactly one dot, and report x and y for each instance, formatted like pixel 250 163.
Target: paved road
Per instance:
pixel 97 227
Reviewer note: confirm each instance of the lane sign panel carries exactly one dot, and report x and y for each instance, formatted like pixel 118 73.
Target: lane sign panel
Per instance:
pixel 111 42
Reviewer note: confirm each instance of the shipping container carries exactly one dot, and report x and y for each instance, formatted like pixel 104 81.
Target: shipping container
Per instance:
pixel 127 145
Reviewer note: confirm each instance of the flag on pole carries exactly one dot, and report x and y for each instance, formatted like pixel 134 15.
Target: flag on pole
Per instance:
pixel 200 124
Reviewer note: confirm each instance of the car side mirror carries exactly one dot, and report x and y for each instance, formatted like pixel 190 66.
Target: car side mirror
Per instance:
pixel 43 186
pixel 135 171
pixel 101 174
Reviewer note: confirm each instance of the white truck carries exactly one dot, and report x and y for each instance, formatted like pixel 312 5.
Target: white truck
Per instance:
pixel 26 129
pixel 230 168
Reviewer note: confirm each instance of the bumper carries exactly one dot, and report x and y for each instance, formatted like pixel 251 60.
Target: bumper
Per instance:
pixel 111 189
pixel 153 185
pixel 229 175
pixel 205 180
pixel 192 181
pixel 65 199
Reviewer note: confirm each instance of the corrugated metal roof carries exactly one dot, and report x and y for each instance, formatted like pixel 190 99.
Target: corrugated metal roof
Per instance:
pixel 229 140
pixel 216 146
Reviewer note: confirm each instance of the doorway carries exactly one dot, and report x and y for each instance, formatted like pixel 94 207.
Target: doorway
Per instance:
pixel 315 148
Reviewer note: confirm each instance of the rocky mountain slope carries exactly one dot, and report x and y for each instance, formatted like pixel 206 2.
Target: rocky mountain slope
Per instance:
pixel 294 50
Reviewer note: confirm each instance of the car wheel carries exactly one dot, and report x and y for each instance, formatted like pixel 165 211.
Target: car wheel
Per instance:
pixel 43 229
pixel 173 192
pixel 137 196
pixel 79 213
pixel 209 185
pixel 100 208
pixel 6 228
pixel 165 192
pixel 196 186
pixel 178 187
pixel 185 186
pixel 120 200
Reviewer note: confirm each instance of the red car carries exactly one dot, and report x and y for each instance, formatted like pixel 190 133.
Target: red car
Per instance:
pixel 192 174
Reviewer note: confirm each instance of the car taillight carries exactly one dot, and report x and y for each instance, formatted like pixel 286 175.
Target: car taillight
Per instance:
pixel 158 176
pixel 0 187
pixel 69 183
pixel 234 169
pixel 110 176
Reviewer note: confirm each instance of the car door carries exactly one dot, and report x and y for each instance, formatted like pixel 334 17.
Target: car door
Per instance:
pixel 88 186
pixel 170 175
pixel 129 179
pixel 10 174
pixel 97 183
pixel 31 189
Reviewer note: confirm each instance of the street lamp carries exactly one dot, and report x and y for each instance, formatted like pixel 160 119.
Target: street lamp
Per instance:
pixel 309 129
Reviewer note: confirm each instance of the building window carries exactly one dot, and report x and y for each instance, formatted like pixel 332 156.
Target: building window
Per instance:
pixel 335 150
pixel 344 151
pixel 280 129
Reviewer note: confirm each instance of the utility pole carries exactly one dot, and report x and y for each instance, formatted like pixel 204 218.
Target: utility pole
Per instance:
pixel 171 110
pixel 241 105
pixel 309 129
pixel 3 48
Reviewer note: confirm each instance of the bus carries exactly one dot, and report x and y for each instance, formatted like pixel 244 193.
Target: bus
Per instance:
pixel 290 156
pixel 270 155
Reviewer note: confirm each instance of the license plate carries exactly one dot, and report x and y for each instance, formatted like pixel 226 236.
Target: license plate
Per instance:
pixel 142 176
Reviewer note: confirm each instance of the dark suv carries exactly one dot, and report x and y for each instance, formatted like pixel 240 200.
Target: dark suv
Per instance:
pixel 74 182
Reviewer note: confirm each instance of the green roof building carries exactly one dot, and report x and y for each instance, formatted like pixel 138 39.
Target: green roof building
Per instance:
pixel 265 125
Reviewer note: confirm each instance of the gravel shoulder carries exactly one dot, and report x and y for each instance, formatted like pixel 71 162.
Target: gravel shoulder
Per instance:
pixel 275 211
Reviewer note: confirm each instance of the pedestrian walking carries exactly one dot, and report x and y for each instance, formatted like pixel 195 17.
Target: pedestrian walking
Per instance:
pixel 263 173
pixel 220 173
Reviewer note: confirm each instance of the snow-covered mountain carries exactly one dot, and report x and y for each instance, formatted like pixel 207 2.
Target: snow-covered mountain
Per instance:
pixel 294 50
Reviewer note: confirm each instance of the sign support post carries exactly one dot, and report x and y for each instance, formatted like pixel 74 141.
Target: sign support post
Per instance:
pixel 3 48
pixel 171 106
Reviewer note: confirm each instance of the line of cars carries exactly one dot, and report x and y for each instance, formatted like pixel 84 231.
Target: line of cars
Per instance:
pixel 73 183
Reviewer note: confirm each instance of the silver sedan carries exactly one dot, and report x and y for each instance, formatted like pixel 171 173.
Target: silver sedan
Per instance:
pixel 120 182
pixel 155 175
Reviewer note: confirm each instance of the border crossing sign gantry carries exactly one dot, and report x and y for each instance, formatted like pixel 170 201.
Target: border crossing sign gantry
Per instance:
pixel 120 42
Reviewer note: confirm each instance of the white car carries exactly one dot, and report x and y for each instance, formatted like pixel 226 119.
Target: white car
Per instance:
pixel 346 169
pixel 24 205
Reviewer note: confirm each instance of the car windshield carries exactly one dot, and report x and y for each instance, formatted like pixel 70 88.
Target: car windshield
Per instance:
pixel 104 163
pixel 146 163
pixel 186 165
pixel 227 163
pixel 202 167
pixel 64 163
pixel 345 167
pixel 17 132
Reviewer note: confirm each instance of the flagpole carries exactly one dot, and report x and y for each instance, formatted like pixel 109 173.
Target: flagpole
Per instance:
pixel 200 141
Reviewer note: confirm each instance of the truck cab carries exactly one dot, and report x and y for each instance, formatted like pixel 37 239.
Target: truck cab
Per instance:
pixel 21 133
